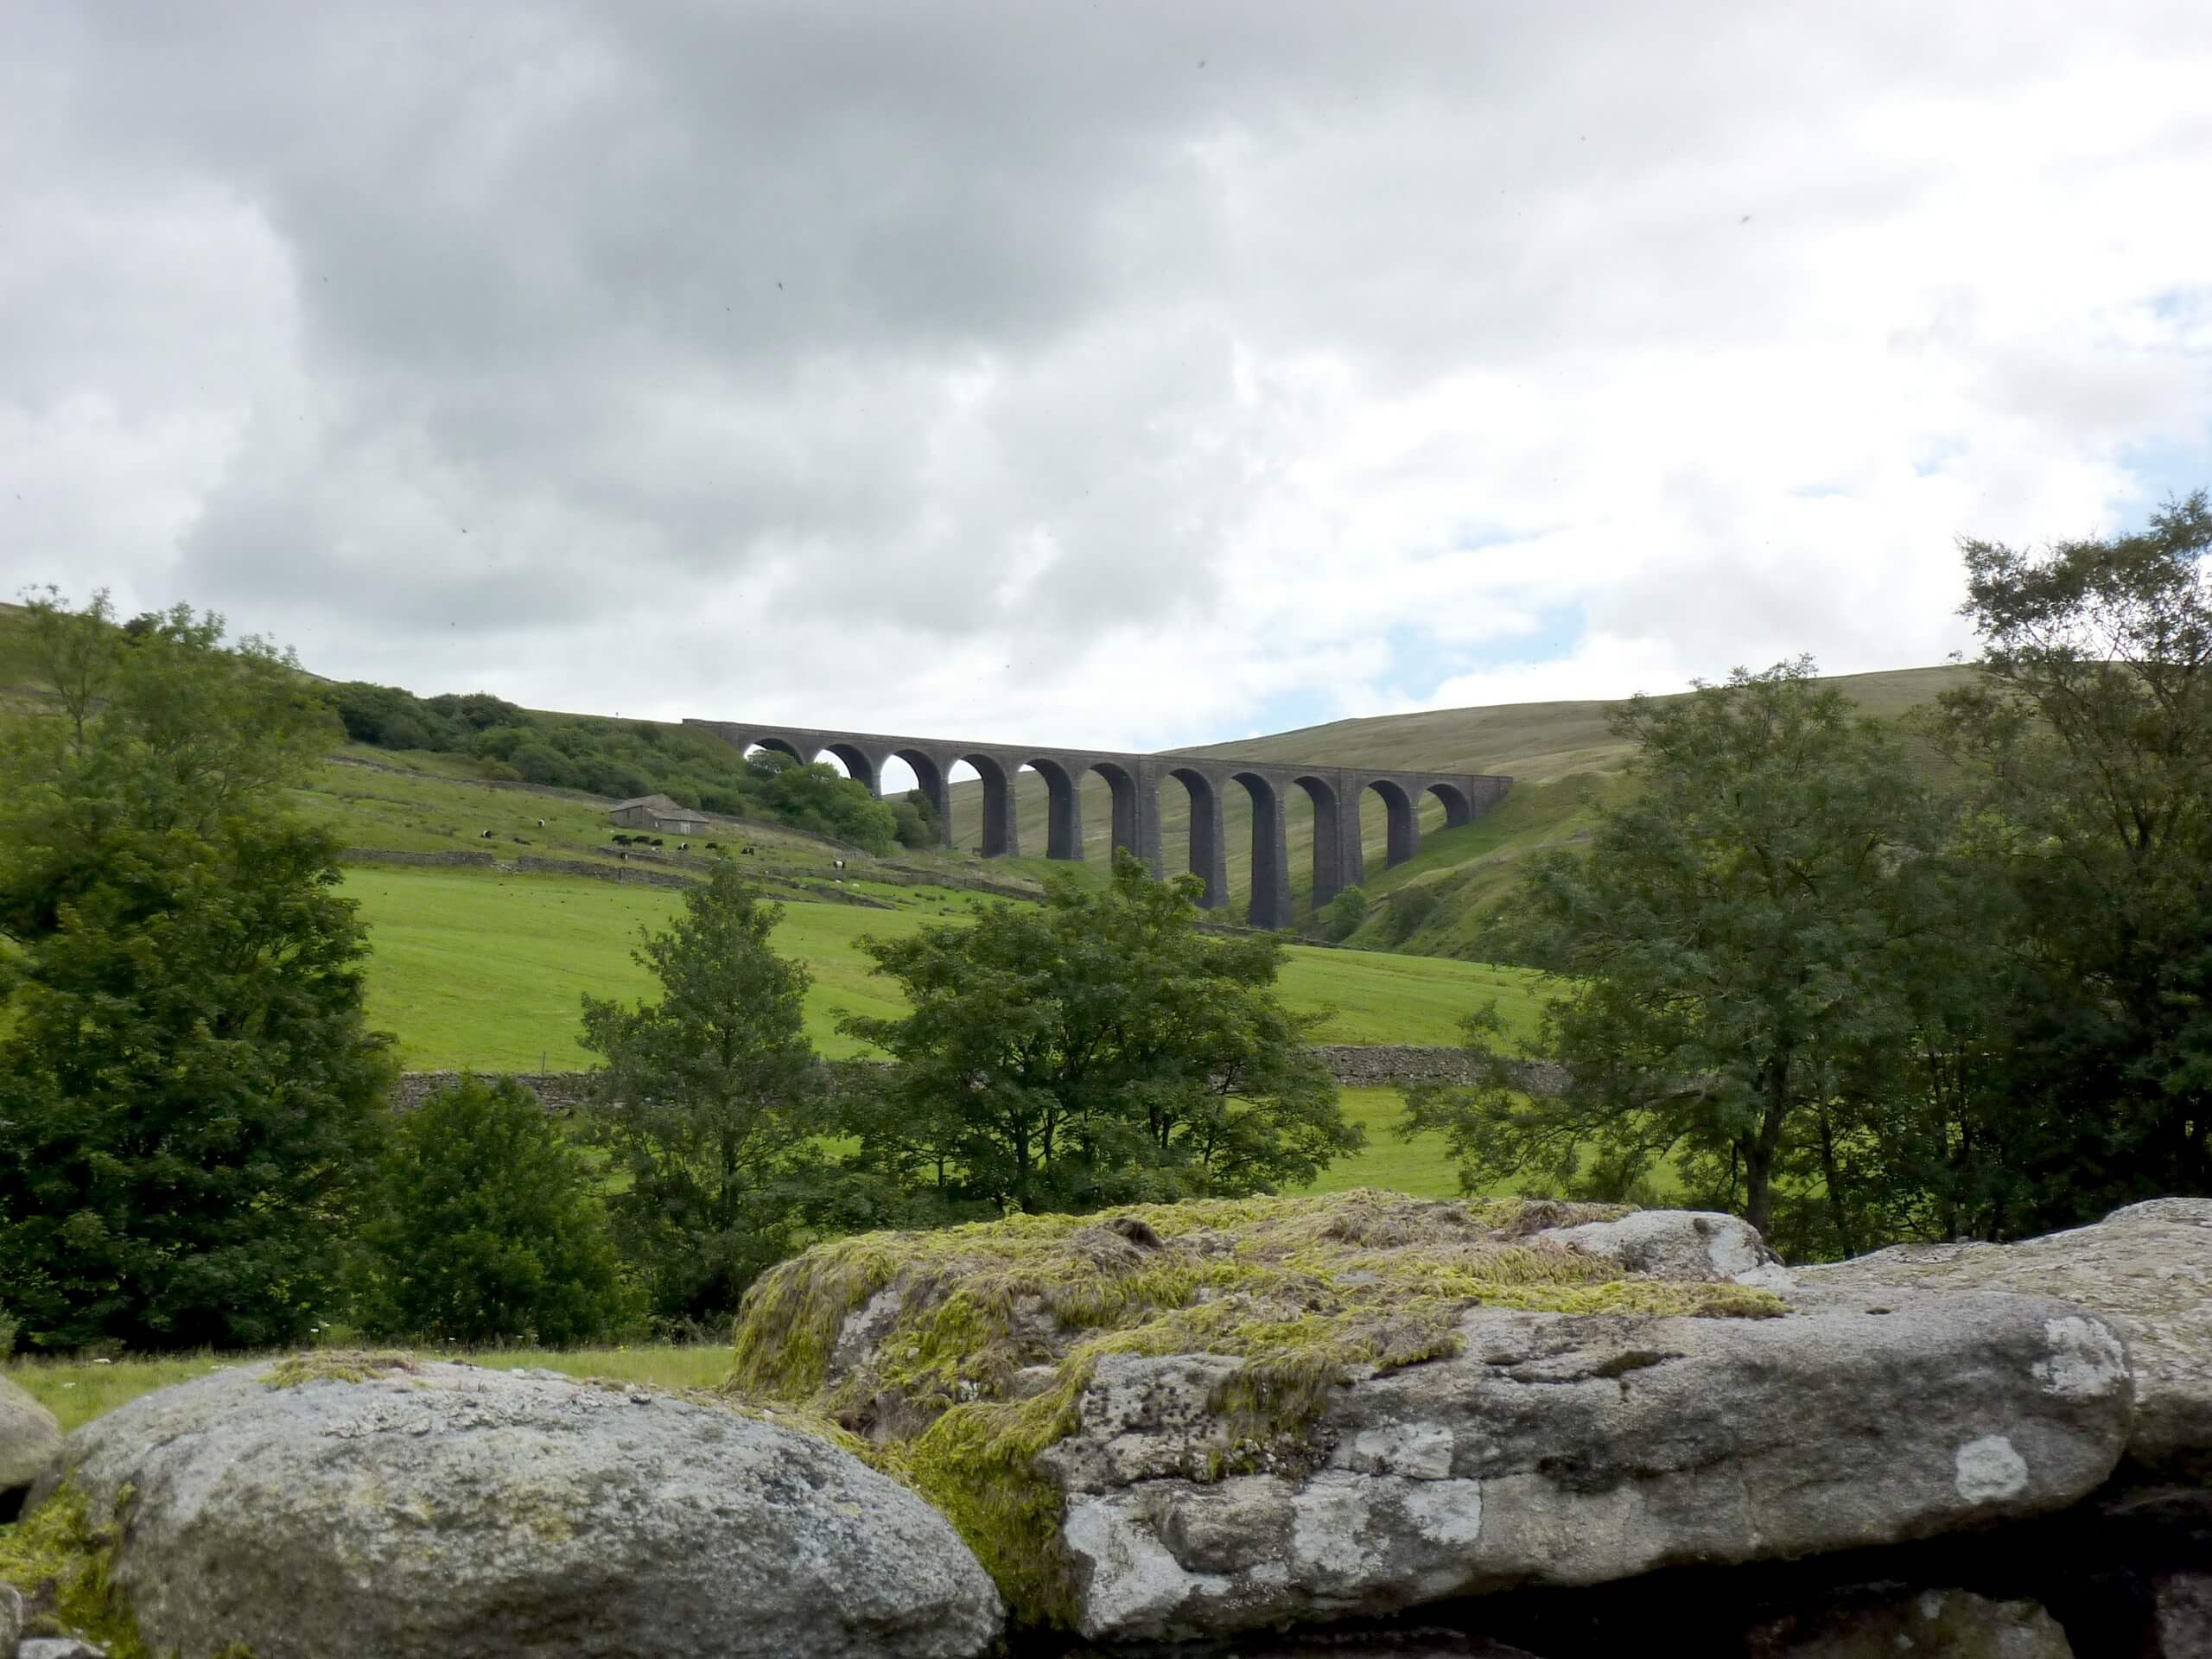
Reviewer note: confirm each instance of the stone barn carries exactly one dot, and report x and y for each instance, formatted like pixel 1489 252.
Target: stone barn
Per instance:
pixel 657 815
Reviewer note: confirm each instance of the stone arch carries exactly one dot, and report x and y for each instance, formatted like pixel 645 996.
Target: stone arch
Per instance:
pixel 1209 852
pixel 860 766
pixel 1128 819
pixel 781 745
pixel 1270 903
pixel 1063 807
pixel 1402 823
pixel 1330 876
pixel 930 779
pixel 1001 838
pixel 1457 808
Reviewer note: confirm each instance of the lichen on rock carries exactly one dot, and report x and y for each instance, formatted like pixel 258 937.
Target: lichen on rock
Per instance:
pixel 965 1354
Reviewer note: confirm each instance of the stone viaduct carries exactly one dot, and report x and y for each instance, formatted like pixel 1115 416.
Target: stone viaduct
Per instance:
pixel 1136 780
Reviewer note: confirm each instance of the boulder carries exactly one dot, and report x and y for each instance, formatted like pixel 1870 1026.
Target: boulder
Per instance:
pixel 1679 1245
pixel 1196 1419
pixel 1934 1624
pixel 11 1620
pixel 2145 1270
pixel 1563 1450
pixel 29 1438
pixel 2184 1613
pixel 373 1504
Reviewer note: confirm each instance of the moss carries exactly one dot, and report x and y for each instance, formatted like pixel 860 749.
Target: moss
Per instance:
pixel 1307 1292
pixel 335 1365
pixel 63 1558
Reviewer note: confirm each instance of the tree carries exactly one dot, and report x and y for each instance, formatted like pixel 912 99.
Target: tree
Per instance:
pixel 1340 917
pixel 1096 1050
pixel 189 1096
pixel 2087 738
pixel 486 1227
pixel 821 798
pixel 709 1100
pixel 1735 952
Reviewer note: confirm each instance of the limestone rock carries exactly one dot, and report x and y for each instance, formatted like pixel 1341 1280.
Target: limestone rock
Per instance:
pixel 1557 1449
pixel 1934 1624
pixel 11 1620
pixel 432 1509
pixel 2146 1270
pixel 58 1646
pixel 1680 1244
pixel 2184 1609
pixel 29 1438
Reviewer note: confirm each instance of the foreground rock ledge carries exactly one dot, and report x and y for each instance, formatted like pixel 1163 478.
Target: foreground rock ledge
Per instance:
pixel 2146 1270
pixel 1131 1387
pixel 442 1512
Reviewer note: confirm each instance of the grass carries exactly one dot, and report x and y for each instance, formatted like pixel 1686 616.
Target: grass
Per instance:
pixel 471 968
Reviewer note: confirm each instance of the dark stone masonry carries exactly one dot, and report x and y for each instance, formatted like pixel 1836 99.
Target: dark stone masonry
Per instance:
pixel 1135 779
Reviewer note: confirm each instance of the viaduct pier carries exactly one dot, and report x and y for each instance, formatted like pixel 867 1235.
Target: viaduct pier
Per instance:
pixel 1134 781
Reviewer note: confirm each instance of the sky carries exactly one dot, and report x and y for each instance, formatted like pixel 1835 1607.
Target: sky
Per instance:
pixel 1129 374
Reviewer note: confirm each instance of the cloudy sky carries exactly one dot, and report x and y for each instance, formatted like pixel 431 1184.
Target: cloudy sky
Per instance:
pixel 1125 373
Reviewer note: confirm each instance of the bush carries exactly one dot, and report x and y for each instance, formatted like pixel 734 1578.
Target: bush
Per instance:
pixel 1340 917
pixel 488 1228
pixel 1410 907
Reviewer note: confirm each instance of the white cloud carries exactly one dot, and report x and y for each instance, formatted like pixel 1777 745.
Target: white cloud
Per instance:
pixel 1018 376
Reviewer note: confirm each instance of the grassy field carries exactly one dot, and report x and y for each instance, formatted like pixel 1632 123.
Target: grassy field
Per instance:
pixel 473 968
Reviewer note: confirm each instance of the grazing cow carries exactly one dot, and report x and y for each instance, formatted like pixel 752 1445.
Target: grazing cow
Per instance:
pixel 657 841
pixel 621 840
pixel 746 851
pixel 683 846
pixel 837 863
pixel 714 846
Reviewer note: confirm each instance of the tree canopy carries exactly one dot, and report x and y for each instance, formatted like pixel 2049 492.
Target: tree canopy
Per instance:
pixel 188 1091
pixel 709 1100
pixel 1097 1049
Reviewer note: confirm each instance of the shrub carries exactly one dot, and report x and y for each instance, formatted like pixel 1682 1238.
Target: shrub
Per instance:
pixel 488 1228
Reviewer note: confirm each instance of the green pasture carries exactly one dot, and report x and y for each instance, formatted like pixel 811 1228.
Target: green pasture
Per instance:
pixel 470 968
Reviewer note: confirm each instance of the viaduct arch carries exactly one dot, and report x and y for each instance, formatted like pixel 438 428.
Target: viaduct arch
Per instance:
pixel 1133 782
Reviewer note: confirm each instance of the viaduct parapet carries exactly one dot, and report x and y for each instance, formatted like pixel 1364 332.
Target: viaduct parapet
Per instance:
pixel 1135 780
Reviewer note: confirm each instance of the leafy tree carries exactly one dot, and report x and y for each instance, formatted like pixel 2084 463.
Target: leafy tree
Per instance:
pixel 915 821
pixel 2088 739
pixel 188 1094
pixel 486 1227
pixel 1340 917
pixel 709 1100
pixel 1736 950
pixel 1096 1050
pixel 821 798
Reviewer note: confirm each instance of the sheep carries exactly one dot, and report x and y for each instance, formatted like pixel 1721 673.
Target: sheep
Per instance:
pixel 484 835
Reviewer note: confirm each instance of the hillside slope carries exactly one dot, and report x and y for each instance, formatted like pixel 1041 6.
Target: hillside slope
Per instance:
pixel 1561 756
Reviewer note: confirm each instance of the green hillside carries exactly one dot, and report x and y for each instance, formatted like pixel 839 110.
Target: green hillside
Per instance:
pixel 1562 756
pixel 477 968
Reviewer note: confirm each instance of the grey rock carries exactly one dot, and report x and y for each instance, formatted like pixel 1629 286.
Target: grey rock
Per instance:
pixel 11 1620
pixel 2184 1603
pixel 30 1437
pixel 59 1647
pixel 2146 1270
pixel 442 1512
pixel 1570 1451
pixel 1934 1624
pixel 1680 1244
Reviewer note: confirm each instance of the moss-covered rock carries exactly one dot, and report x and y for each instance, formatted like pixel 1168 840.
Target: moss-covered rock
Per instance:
pixel 1186 1421
pixel 964 1352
